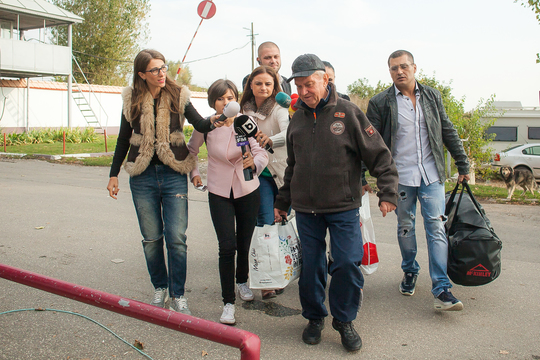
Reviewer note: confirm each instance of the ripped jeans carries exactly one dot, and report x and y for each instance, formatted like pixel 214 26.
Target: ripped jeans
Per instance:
pixel 160 199
pixel 432 207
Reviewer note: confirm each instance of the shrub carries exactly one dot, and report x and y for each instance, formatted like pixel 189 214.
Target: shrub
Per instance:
pixel 73 135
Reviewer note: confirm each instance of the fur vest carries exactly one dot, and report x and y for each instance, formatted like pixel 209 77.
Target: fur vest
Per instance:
pixel 162 134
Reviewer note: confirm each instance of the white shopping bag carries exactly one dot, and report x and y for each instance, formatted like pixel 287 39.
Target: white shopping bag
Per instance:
pixel 370 260
pixel 275 256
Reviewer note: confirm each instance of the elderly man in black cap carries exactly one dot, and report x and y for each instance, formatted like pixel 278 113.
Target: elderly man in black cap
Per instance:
pixel 327 140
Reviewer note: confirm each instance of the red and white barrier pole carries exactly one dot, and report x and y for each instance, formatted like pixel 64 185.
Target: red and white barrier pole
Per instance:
pixel 248 343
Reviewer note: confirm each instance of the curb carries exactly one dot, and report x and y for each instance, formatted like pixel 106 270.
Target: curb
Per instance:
pixel 57 157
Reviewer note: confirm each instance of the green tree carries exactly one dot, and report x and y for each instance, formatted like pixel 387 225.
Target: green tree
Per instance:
pixel 535 7
pixel 185 76
pixel 108 39
pixel 361 91
pixel 471 125
pixel 364 90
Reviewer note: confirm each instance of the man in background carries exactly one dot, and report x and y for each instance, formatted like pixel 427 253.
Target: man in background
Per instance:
pixel 332 77
pixel 269 55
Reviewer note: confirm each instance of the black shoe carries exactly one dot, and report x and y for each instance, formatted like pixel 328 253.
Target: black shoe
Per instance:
pixel 349 337
pixel 408 284
pixel 312 332
pixel 447 302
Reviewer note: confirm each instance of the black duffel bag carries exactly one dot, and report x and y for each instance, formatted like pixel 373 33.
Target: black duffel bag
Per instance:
pixel 474 254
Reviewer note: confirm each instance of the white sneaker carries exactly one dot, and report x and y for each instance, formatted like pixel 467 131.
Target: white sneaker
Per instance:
pixel 244 292
pixel 228 315
pixel 180 305
pixel 161 295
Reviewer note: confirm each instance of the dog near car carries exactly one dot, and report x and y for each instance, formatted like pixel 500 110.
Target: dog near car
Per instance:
pixel 512 178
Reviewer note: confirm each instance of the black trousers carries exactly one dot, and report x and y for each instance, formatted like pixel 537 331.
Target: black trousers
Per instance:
pixel 233 240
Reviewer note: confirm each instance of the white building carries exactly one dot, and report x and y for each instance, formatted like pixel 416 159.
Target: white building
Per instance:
pixel 518 125
pixel 28 56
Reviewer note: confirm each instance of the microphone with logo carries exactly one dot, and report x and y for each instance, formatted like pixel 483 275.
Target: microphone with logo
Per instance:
pixel 249 127
pixel 231 109
pixel 286 101
pixel 245 128
pixel 283 99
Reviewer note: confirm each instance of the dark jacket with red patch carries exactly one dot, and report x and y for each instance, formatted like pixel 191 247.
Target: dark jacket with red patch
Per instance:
pixel 324 159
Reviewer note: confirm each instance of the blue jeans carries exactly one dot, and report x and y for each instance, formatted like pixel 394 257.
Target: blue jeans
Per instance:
pixel 268 191
pixel 432 207
pixel 347 280
pixel 161 202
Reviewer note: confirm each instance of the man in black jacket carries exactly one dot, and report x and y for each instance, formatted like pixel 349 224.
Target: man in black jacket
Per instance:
pixel 327 140
pixel 332 78
pixel 413 123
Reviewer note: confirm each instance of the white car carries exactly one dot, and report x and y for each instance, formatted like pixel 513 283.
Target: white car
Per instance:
pixel 523 157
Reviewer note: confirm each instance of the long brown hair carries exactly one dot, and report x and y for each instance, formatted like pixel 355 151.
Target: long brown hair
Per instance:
pixel 140 87
pixel 263 69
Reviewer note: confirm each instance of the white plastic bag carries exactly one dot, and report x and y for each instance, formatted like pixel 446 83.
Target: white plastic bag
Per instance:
pixel 275 256
pixel 370 260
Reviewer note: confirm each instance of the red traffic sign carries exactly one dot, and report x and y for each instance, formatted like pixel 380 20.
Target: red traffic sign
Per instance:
pixel 206 9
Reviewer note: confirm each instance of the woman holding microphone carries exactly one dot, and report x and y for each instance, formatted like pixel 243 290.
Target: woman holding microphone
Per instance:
pixel 259 102
pixel 232 198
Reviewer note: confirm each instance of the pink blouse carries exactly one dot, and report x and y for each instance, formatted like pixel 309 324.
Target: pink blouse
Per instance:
pixel 225 170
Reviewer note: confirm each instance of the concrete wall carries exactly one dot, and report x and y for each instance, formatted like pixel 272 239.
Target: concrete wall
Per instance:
pixel 48 106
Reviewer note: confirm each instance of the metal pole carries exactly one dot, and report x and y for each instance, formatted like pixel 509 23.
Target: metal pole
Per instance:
pixel 27 104
pixel 184 58
pixel 252 49
pixel 70 75
pixel 248 343
pixel 448 164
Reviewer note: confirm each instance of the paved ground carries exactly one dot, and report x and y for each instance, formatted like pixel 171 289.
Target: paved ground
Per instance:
pixel 84 229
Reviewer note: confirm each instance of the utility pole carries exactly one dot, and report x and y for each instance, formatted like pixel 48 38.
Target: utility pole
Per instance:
pixel 252 35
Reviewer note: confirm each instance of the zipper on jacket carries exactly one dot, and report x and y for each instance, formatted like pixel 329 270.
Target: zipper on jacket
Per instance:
pixel 314 122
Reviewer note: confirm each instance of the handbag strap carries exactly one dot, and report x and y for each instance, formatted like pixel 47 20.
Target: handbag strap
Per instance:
pixel 450 203
pixel 473 199
pixel 453 210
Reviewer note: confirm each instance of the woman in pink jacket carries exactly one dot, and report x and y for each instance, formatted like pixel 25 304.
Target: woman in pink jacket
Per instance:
pixel 230 197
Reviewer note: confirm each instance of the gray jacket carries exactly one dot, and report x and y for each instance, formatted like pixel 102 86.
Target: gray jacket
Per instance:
pixel 382 112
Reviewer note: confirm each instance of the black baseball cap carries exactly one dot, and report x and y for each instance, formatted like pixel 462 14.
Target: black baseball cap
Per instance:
pixel 305 65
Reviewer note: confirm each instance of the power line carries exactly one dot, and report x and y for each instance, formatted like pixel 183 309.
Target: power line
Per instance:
pixel 225 53
pixel 101 57
pixel 186 62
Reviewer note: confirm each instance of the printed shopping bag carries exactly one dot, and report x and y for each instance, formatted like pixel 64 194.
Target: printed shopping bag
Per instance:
pixel 275 256
pixel 370 260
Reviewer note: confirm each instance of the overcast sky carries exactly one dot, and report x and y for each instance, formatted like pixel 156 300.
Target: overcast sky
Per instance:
pixel 483 47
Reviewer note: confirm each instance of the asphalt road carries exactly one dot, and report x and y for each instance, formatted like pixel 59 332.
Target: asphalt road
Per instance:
pixel 57 220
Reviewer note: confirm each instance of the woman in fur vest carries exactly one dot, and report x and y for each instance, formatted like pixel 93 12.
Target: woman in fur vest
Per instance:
pixel 259 102
pixel 151 135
